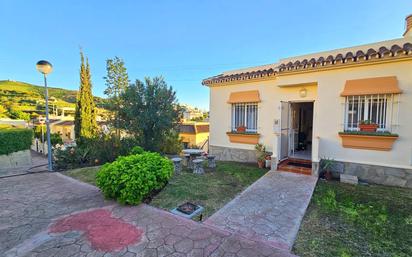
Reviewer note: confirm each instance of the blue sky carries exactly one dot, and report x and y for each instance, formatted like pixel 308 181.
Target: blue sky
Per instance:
pixel 185 41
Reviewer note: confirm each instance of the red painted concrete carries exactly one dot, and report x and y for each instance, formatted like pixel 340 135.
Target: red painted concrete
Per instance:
pixel 104 232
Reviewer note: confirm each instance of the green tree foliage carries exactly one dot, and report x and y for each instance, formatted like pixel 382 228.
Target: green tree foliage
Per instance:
pixel 172 143
pixel 85 115
pixel 117 80
pixel 130 179
pixel 150 110
pixel 3 111
pixel 18 115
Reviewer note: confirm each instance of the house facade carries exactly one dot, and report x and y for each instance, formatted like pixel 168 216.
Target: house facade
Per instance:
pixel 194 134
pixel 315 106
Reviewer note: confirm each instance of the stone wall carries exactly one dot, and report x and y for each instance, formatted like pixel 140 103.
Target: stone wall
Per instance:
pixel 232 154
pixel 379 174
pixel 21 159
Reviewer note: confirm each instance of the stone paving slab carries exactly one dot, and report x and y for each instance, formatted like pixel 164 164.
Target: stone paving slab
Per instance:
pixel 49 214
pixel 270 210
pixel 28 203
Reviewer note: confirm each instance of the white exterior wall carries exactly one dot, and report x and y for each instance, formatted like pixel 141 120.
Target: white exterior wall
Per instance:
pixel 328 112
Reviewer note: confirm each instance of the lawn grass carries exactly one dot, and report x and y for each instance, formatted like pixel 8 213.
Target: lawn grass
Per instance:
pixel 345 220
pixel 87 174
pixel 211 190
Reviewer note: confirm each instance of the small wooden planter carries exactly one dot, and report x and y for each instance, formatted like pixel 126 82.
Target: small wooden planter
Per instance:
pixel 368 127
pixel 368 142
pixel 243 138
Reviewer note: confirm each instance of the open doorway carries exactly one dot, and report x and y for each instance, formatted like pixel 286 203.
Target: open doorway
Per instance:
pixel 301 130
pixel 297 130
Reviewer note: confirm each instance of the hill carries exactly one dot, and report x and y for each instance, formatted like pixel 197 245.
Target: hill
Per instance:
pixel 24 97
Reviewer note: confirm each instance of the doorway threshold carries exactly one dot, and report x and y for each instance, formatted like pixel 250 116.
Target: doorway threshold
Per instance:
pixel 295 165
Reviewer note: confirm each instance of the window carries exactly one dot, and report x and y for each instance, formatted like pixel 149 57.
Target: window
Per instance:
pixel 245 114
pixel 376 108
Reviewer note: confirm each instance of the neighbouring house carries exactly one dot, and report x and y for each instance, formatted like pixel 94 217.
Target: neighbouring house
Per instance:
pixel 5 122
pixel 194 134
pixel 318 106
pixel 65 128
pixel 57 126
pixel 190 113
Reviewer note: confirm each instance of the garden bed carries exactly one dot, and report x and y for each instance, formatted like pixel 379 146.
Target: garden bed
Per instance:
pixel 211 190
pixel 346 220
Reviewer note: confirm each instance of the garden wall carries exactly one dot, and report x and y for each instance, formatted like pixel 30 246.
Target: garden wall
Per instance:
pixel 15 148
pixel 232 154
pixel 20 159
pixel 379 174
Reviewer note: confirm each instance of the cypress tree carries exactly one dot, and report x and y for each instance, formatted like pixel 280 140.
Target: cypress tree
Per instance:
pixel 85 115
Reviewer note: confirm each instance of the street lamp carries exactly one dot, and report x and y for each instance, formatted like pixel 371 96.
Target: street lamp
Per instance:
pixel 45 68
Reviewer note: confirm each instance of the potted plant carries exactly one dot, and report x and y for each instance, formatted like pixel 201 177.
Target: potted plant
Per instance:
pixel 261 162
pixel 368 126
pixel 261 155
pixel 241 129
pixel 327 165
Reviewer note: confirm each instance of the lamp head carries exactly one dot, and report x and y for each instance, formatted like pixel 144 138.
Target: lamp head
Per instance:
pixel 44 67
pixel 303 92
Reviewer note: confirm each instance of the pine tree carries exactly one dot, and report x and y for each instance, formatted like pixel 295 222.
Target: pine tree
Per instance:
pixel 85 116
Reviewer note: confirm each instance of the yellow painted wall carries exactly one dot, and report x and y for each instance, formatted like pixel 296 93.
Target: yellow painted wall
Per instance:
pixel 328 112
pixel 63 130
pixel 194 139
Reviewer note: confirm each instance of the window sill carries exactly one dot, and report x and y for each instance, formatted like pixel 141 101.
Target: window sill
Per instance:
pixel 244 137
pixel 368 141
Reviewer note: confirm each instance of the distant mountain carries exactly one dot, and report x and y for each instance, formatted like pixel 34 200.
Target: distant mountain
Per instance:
pixel 30 98
pixel 30 89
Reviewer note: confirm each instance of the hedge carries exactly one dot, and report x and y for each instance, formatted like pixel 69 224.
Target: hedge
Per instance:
pixel 15 139
pixel 131 179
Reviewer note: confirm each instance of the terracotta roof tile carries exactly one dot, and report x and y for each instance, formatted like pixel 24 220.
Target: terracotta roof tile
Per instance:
pixel 339 59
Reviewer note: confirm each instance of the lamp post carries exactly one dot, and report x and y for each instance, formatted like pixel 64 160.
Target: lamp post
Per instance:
pixel 45 68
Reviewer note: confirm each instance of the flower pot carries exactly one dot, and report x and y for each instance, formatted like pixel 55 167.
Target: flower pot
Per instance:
pixel 368 127
pixel 267 163
pixel 241 129
pixel 261 164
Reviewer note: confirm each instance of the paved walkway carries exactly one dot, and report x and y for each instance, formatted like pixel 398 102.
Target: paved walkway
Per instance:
pixel 48 214
pixel 270 210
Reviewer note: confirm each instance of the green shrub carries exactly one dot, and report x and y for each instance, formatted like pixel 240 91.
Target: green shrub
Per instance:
pixel 72 157
pixel 15 139
pixel 93 151
pixel 130 179
pixel 56 138
pixel 137 150
pixel 107 148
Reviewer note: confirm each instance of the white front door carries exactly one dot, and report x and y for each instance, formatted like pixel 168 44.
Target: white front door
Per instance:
pixel 284 130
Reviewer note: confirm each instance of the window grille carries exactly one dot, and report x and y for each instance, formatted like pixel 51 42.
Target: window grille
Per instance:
pixel 245 114
pixel 375 108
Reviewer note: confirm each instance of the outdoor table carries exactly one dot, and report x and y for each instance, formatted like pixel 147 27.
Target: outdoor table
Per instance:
pixel 193 154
